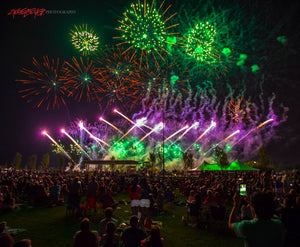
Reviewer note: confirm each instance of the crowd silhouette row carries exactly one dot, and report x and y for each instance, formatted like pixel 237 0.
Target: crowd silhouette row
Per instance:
pixel 267 214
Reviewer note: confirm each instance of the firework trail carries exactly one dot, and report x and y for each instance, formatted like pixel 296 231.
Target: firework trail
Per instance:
pixel 60 148
pixel 212 125
pixel 91 135
pixel 178 131
pixel 71 138
pixel 110 124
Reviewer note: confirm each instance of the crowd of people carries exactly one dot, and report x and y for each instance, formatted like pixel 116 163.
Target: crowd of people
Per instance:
pixel 209 197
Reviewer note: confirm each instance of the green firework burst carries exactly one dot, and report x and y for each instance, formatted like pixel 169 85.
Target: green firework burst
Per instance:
pixel 84 39
pixel 199 41
pixel 145 27
pixel 128 148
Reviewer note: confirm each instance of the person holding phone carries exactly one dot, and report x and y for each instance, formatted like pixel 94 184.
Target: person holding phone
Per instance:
pixel 262 230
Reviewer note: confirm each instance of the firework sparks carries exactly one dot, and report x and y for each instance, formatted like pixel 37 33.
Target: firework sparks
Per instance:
pixel 144 27
pixel 237 110
pixel 44 84
pixel 84 40
pixel 82 79
pixel 199 41
pixel 120 77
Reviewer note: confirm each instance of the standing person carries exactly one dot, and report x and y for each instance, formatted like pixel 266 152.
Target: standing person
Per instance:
pixel 154 239
pixel 132 236
pixel 74 197
pixel 84 237
pixel 92 190
pixel 110 239
pixel 54 193
pixel 105 196
pixel 262 230
pixel 144 201
pixel 134 191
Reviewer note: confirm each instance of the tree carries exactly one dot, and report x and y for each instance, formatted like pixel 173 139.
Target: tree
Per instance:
pixel 74 159
pixel 263 158
pixel 188 161
pixel 61 162
pixel 32 159
pixel 221 157
pixel 45 161
pixel 17 161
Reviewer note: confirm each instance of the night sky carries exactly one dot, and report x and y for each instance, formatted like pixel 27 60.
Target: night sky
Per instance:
pixel 24 38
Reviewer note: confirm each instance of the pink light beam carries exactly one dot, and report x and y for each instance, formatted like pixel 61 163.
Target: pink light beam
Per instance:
pixel 45 133
pixel 71 138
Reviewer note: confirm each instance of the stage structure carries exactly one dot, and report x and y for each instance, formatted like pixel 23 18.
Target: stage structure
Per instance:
pixel 92 164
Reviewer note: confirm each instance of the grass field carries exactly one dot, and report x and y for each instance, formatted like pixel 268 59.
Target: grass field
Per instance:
pixel 49 227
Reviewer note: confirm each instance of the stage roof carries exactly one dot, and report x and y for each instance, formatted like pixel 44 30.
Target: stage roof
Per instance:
pixel 111 162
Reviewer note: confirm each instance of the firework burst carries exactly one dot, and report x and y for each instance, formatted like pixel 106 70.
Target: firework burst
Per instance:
pixel 238 110
pixel 82 79
pixel 84 39
pixel 120 77
pixel 44 84
pixel 199 41
pixel 145 27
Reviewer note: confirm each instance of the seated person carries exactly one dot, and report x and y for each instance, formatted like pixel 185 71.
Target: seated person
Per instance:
pixel 85 237
pixel 6 240
pixel 154 239
pixel 109 238
pixel 108 212
pixel 23 243
pixel 132 236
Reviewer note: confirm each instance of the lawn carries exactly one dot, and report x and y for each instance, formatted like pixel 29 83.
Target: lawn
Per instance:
pixel 48 227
